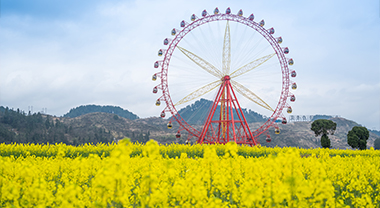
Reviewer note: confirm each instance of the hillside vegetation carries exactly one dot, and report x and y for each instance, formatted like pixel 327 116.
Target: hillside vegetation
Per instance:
pixel 85 109
pixel 17 126
pixel 100 127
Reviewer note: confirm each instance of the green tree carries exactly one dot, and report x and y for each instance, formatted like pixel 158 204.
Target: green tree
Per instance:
pixel 377 144
pixel 324 127
pixel 357 137
pixel 325 141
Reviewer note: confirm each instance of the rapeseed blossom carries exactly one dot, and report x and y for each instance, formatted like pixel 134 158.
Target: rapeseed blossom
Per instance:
pixel 153 175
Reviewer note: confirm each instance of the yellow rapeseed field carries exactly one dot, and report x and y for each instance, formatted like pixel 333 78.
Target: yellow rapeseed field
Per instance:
pixel 152 175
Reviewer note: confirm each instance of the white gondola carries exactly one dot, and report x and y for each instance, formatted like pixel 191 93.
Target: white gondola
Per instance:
pixel 156 64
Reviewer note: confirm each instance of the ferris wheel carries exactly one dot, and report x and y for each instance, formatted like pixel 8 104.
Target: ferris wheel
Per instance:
pixel 233 61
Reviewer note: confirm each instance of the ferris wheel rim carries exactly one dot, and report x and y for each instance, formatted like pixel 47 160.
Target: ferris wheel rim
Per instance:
pixel 170 107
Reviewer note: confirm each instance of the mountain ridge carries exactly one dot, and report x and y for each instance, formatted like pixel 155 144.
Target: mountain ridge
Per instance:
pixel 16 126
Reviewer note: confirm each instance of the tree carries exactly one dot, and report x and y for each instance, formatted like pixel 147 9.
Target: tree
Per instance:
pixel 325 141
pixel 377 144
pixel 357 137
pixel 324 127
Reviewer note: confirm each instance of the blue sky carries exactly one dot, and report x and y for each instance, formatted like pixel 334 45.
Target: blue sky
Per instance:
pixel 62 54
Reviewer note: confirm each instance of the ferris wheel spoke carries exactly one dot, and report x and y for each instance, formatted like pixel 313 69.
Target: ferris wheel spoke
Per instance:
pixel 251 65
pixel 227 50
pixel 199 92
pixel 201 63
pixel 250 95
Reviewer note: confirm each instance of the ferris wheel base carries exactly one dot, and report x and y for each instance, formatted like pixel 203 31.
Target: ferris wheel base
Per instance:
pixel 239 143
pixel 231 125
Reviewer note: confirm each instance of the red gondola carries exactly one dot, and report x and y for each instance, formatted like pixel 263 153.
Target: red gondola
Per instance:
pixel 262 23
pixel 251 17
pixel 228 11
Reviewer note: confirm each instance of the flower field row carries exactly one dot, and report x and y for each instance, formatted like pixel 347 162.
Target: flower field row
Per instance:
pixel 152 175
pixel 171 151
pixel 52 150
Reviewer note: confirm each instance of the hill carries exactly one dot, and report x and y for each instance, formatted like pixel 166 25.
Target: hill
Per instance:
pixel 298 134
pixel 85 109
pixel 197 112
pixel 294 134
pixel 375 132
pixel 16 126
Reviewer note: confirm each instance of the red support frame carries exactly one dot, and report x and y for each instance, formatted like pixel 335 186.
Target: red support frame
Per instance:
pixel 228 128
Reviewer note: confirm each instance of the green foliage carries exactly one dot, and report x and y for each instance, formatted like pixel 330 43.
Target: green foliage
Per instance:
pixel 352 139
pixel 325 141
pixel 377 144
pixel 85 109
pixel 323 126
pixel 357 137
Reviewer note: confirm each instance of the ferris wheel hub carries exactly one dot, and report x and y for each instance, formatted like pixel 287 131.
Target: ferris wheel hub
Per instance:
pixel 225 78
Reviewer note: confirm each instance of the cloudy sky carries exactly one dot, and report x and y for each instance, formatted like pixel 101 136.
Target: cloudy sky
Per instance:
pixel 62 54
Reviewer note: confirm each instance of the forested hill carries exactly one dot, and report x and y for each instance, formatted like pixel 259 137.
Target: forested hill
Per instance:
pixel 18 127
pixel 85 109
pixel 197 112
